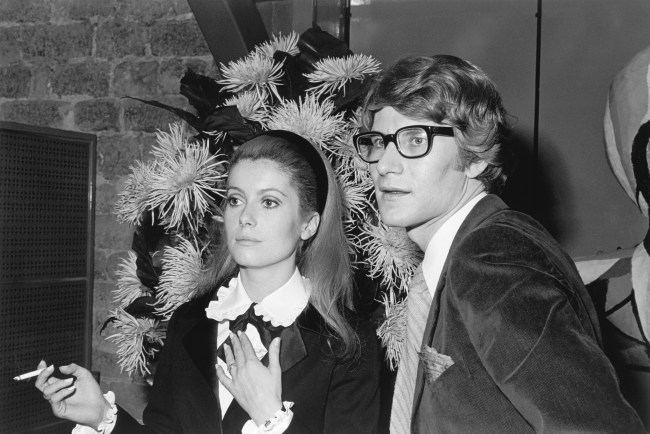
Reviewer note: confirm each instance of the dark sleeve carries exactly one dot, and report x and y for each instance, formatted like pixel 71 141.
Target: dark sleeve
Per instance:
pixel 528 319
pixel 126 424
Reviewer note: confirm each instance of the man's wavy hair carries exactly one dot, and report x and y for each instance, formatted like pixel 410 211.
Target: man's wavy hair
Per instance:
pixel 450 91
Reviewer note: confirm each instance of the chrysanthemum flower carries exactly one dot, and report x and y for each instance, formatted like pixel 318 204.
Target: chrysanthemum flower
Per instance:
pixel 132 334
pixel 391 254
pixel 184 185
pixel 308 118
pixel 392 331
pixel 350 165
pixel 181 271
pixel 251 105
pixel 350 232
pixel 355 199
pixel 254 72
pixel 129 286
pixel 216 134
pixel 182 182
pixel 169 144
pixel 287 44
pixel 132 201
pixel 333 73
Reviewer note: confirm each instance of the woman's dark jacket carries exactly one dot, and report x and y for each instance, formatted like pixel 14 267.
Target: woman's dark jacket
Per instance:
pixel 330 395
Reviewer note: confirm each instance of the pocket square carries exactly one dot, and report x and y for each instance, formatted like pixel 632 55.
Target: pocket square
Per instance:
pixel 435 363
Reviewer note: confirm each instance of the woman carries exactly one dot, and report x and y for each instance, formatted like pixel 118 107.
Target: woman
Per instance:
pixel 284 237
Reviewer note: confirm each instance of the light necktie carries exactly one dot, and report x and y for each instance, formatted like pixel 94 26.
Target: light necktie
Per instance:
pixel 417 311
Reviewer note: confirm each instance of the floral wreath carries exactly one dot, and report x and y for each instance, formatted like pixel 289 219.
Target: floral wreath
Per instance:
pixel 310 85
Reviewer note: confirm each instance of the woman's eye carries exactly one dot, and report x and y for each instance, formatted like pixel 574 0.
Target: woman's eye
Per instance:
pixel 233 201
pixel 270 203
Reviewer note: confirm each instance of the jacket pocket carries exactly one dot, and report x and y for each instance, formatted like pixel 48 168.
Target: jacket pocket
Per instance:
pixel 435 363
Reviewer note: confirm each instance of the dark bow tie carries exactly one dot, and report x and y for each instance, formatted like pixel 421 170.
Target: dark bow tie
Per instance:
pixel 292 348
pixel 266 330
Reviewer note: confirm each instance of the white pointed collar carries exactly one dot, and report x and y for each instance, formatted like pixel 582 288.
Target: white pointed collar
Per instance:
pixel 280 308
pixel 437 250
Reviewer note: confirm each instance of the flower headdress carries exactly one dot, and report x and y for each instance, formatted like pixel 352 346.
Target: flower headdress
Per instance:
pixel 310 85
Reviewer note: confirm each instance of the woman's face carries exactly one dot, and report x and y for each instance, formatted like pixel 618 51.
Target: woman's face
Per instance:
pixel 264 221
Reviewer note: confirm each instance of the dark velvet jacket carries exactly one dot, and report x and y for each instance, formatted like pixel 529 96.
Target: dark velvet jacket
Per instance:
pixel 512 313
pixel 330 396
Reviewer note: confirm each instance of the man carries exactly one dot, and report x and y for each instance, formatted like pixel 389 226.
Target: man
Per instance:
pixel 501 334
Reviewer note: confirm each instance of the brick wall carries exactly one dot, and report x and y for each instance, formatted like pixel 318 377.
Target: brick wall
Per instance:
pixel 66 64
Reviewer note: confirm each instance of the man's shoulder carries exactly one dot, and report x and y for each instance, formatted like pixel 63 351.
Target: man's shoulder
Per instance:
pixel 509 246
pixel 510 237
pixel 493 226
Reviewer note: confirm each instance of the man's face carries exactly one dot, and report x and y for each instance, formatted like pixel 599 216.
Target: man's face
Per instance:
pixel 421 192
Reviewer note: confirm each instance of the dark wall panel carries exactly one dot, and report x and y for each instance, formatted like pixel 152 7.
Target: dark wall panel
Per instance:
pixel 584 45
pixel 498 35
pixel 46 264
pixel 568 184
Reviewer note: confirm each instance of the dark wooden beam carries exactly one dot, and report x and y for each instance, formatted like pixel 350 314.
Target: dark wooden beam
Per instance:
pixel 231 28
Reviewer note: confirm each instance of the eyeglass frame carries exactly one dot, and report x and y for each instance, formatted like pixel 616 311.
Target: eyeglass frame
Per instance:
pixel 431 130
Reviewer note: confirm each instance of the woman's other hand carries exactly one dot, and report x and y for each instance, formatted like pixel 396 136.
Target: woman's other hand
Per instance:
pixel 256 388
pixel 77 399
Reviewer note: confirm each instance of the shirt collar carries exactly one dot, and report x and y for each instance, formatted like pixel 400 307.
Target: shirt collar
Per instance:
pixel 436 253
pixel 280 308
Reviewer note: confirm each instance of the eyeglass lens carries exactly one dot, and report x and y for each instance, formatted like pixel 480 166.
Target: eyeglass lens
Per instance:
pixel 411 142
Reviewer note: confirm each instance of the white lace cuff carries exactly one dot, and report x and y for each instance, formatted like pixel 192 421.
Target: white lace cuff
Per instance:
pixel 107 425
pixel 278 423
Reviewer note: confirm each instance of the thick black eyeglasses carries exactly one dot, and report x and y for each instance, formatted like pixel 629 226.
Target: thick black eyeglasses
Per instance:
pixel 413 141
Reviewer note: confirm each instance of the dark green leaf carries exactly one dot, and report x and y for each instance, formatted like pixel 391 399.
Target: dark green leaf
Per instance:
pixel 146 240
pixel 294 82
pixel 188 117
pixel 229 120
pixel 316 44
pixel 350 98
pixel 202 92
pixel 142 307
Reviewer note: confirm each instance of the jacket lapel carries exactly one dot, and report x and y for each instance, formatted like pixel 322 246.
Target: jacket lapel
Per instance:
pixel 486 207
pixel 293 350
pixel 292 347
pixel 429 328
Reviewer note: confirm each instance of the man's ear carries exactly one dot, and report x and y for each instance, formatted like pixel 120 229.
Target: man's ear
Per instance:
pixel 475 169
pixel 310 228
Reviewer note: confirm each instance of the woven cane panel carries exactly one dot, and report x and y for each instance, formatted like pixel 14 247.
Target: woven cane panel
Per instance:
pixel 43 206
pixel 38 322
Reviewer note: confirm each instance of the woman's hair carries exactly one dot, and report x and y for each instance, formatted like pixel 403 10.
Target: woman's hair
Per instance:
pixel 324 257
pixel 450 91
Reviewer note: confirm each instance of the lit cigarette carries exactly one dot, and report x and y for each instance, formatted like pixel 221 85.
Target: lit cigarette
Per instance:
pixel 27 375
